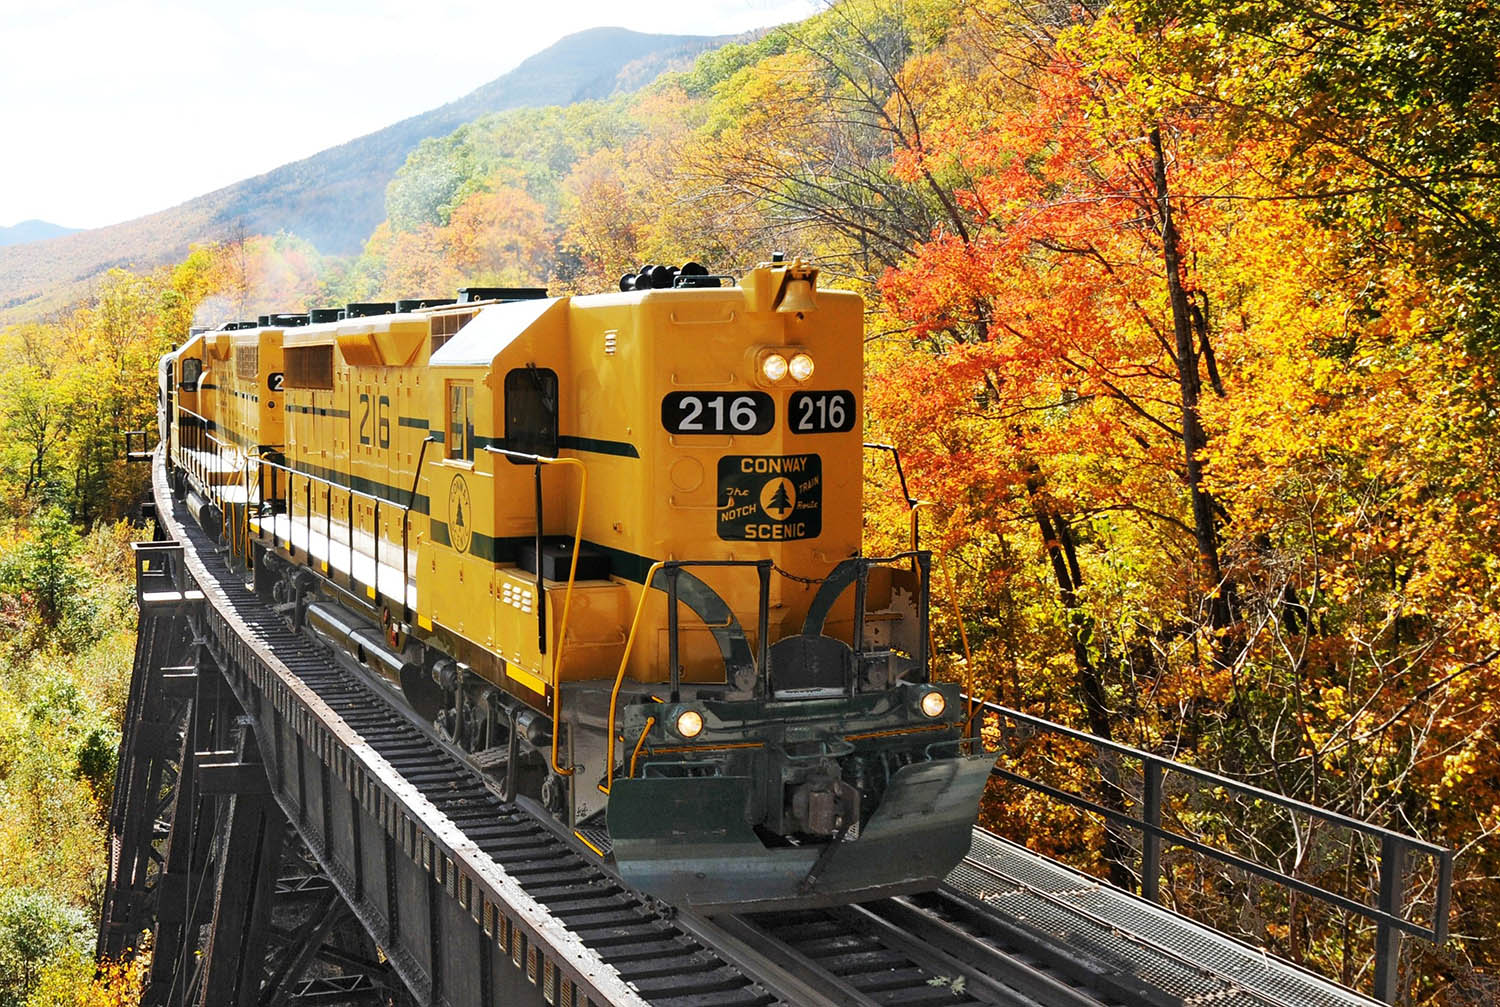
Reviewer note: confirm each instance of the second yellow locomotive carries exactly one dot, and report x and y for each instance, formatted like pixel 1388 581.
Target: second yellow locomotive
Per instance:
pixel 610 547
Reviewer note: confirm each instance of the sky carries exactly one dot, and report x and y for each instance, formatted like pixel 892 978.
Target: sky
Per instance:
pixel 113 109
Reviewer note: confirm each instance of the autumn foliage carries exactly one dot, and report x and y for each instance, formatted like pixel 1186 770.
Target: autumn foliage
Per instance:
pixel 1183 319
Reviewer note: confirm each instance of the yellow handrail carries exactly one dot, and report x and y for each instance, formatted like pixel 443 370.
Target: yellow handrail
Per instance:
pixel 639 744
pixel 614 695
pixel 562 630
pixel 914 509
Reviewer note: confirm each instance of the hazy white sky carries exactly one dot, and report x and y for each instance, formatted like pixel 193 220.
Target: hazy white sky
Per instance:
pixel 111 109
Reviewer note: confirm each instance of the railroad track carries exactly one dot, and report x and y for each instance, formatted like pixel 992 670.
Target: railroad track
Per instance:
pixel 897 952
pixel 666 958
pixel 477 901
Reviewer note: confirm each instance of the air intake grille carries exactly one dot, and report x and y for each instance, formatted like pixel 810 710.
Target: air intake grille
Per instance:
pixel 309 366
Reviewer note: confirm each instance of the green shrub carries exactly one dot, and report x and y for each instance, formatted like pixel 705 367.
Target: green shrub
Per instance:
pixel 35 927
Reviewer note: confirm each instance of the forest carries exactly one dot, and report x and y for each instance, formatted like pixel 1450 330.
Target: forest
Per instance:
pixel 1183 317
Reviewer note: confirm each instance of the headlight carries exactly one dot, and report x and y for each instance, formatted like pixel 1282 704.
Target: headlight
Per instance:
pixel 933 704
pixel 773 366
pixel 690 723
pixel 801 366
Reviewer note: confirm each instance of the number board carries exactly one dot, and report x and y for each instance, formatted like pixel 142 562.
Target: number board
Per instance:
pixel 275 380
pixel 770 498
pixel 718 413
pixel 822 412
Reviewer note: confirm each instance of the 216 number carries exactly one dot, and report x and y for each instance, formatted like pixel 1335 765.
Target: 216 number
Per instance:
pixel 382 420
pixel 822 412
pixel 718 413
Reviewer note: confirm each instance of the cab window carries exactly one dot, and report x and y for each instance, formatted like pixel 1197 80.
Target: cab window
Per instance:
pixel 460 435
pixel 531 411
pixel 192 370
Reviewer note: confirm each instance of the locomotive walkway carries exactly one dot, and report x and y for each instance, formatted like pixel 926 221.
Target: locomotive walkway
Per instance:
pixel 288 835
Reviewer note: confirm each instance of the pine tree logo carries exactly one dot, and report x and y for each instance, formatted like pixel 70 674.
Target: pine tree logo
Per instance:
pixel 460 529
pixel 777 498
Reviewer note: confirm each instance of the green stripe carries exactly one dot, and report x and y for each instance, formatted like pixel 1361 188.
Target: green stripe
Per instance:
pixel 492 550
pixel 387 493
pixel 214 428
pixel 595 445
pixel 626 565
pixel 620 449
pixel 342 414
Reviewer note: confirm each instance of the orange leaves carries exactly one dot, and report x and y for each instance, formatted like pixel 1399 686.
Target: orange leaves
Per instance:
pixel 607 224
pixel 415 264
pixel 500 235
pixel 497 235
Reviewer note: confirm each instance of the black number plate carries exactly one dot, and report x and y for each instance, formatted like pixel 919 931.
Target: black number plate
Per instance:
pixel 822 412
pixel 718 412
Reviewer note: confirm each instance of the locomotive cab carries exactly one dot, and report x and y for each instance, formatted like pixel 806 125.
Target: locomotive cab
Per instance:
pixel 186 366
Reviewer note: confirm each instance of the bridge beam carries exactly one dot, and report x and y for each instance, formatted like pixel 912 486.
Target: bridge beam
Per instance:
pixel 147 781
pixel 246 859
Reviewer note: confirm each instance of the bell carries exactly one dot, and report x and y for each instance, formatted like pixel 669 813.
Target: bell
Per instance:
pixel 796 295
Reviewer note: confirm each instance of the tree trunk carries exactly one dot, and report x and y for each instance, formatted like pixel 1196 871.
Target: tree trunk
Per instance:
pixel 1063 552
pixel 1194 437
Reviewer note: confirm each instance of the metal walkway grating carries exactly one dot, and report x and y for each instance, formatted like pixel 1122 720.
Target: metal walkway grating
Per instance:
pixel 1184 959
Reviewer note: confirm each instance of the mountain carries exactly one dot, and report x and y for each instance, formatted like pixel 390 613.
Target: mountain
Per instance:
pixel 336 197
pixel 32 230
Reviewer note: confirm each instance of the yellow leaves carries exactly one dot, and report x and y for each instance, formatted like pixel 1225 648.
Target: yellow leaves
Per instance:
pixel 1459 767
pixel 80 982
pixel 416 264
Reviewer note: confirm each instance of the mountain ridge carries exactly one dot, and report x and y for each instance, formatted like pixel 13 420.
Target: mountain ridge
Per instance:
pixel 334 198
pixel 33 230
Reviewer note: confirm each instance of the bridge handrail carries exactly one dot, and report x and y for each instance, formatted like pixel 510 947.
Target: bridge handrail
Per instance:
pixel 1386 914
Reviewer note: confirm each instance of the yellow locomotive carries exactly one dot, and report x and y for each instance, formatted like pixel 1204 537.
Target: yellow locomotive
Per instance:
pixel 608 546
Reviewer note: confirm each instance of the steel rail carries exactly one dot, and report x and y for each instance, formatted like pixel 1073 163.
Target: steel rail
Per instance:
pixel 893 952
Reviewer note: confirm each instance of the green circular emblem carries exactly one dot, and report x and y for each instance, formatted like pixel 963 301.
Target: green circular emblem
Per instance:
pixel 460 515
